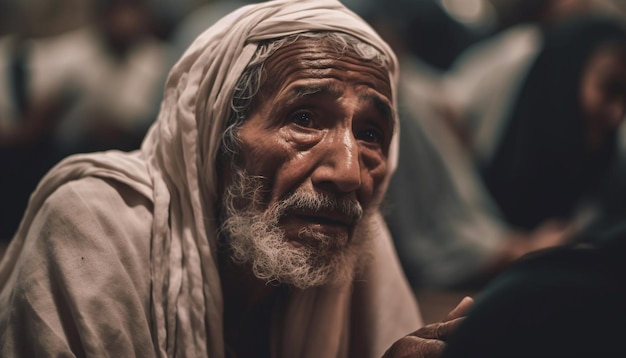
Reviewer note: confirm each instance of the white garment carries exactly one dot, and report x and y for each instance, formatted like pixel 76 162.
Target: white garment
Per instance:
pixel 170 185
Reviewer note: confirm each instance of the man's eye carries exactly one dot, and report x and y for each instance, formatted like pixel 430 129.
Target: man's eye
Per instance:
pixel 371 136
pixel 303 119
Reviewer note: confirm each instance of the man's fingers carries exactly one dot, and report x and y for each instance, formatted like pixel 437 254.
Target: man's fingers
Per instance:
pixel 461 309
pixel 429 341
pixel 415 347
pixel 440 330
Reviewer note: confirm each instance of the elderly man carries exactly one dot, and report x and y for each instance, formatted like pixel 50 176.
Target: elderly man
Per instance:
pixel 246 225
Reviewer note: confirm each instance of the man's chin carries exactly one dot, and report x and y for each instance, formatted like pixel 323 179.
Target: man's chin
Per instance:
pixel 329 267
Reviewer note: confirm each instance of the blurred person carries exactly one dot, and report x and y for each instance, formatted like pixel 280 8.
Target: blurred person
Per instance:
pixel 559 141
pixel 453 216
pixel 198 19
pixel 105 78
pixel 497 66
pixel 248 222
pixel 92 88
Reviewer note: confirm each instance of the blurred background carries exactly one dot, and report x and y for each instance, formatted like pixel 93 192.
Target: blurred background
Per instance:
pixel 87 75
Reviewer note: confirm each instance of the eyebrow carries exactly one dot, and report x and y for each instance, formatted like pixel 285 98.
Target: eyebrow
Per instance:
pixel 381 104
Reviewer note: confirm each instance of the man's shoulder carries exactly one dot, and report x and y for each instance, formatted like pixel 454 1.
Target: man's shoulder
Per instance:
pixel 97 195
pixel 97 207
pixel 81 274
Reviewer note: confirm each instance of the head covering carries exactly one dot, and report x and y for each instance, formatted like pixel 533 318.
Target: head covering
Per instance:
pixel 542 167
pixel 175 169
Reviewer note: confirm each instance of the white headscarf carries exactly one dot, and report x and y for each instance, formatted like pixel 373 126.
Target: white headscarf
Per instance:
pixel 175 168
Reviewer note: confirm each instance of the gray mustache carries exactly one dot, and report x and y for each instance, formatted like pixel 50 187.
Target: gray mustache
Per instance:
pixel 313 201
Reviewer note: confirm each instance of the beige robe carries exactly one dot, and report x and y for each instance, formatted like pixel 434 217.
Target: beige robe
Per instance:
pixel 116 254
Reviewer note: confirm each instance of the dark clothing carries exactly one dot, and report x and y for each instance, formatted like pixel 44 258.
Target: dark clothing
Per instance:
pixel 563 302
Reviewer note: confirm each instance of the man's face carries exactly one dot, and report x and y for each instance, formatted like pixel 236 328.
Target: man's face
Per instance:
pixel 318 139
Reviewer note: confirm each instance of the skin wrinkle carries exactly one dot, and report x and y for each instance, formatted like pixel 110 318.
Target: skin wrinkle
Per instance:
pixel 329 143
pixel 314 51
pixel 381 104
pixel 322 125
pixel 314 62
pixel 299 93
pixel 277 112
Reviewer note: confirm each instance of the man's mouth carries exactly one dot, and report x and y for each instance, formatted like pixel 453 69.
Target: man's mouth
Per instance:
pixel 325 218
pixel 305 227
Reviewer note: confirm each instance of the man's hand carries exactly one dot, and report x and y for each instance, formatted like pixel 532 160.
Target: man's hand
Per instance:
pixel 429 341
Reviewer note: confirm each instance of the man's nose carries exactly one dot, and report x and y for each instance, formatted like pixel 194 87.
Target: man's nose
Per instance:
pixel 339 167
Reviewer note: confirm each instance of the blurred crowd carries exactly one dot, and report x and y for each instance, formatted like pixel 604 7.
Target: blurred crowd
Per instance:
pixel 512 144
pixel 510 113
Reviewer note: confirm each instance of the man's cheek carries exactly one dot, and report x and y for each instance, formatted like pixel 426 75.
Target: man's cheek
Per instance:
pixel 378 175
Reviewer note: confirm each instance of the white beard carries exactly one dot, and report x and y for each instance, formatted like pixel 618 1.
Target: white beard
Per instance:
pixel 254 237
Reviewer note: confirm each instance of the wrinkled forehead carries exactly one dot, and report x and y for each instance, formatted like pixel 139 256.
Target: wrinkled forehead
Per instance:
pixel 324 57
